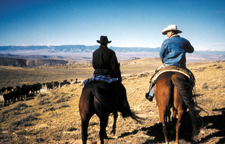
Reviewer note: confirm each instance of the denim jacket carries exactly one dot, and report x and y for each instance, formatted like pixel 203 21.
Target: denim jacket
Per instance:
pixel 173 51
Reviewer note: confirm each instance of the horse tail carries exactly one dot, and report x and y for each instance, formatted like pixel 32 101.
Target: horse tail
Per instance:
pixel 127 112
pixel 184 88
pixel 124 106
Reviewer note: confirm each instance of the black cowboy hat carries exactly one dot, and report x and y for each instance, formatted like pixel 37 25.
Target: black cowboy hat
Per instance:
pixel 103 40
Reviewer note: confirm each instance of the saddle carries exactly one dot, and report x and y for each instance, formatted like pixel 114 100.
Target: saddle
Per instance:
pixel 185 72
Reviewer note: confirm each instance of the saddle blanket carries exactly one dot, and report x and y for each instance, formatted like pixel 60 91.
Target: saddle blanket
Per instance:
pixel 169 69
pixel 104 78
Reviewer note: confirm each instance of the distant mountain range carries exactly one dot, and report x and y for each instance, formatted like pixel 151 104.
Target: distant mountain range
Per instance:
pixel 82 52
pixel 81 49
pixel 70 49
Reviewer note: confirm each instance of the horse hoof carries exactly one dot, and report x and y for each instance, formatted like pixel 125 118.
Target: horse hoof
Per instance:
pixel 106 137
pixel 113 132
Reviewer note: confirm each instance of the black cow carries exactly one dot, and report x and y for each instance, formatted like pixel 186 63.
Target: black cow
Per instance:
pixel 55 84
pixel 36 87
pixel 64 83
pixel 49 85
pixel 25 90
pixel 3 89
pixel 7 98
pixel 9 88
pixel 16 93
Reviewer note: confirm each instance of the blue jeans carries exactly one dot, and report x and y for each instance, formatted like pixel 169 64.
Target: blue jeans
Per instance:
pixel 151 92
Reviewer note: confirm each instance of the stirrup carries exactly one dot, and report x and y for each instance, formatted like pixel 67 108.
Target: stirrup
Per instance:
pixel 148 97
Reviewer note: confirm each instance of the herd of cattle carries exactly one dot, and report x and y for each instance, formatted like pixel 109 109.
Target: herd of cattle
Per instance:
pixel 18 93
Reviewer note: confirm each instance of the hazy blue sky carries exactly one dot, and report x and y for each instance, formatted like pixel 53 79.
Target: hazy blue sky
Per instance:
pixel 135 23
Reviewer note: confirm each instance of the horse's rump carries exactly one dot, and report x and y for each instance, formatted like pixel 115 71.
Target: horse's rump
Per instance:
pixel 106 93
pixel 112 95
pixel 182 82
pixel 174 90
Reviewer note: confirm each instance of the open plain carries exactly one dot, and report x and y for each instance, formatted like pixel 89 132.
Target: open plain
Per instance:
pixel 53 116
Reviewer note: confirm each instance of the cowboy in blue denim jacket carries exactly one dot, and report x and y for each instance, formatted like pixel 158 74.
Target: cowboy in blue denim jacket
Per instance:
pixel 172 51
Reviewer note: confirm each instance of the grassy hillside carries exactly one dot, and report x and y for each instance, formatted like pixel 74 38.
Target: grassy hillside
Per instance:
pixel 53 116
pixel 14 76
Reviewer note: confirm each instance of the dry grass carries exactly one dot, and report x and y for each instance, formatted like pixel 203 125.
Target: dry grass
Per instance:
pixel 53 116
pixel 13 76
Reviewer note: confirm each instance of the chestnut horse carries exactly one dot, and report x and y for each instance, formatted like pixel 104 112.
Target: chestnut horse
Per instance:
pixel 103 98
pixel 174 90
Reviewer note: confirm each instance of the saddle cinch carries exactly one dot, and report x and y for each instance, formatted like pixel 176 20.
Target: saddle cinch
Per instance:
pixel 186 72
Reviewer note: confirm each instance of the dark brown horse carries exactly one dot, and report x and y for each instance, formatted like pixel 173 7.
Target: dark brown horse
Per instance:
pixel 103 98
pixel 174 90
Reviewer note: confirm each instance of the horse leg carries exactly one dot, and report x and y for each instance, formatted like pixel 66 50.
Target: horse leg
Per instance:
pixel 85 118
pixel 173 123
pixel 193 138
pixel 179 109
pixel 162 116
pixel 163 108
pixel 84 127
pixel 165 132
pixel 87 110
pixel 115 115
pixel 180 114
pixel 103 125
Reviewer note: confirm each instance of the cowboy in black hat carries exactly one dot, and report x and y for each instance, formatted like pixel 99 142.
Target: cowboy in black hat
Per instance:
pixel 104 60
pixel 107 69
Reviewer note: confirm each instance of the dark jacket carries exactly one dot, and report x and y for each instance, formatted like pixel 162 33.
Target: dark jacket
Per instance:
pixel 104 61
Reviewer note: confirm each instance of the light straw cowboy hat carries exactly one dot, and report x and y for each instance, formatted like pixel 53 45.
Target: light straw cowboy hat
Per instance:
pixel 171 28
